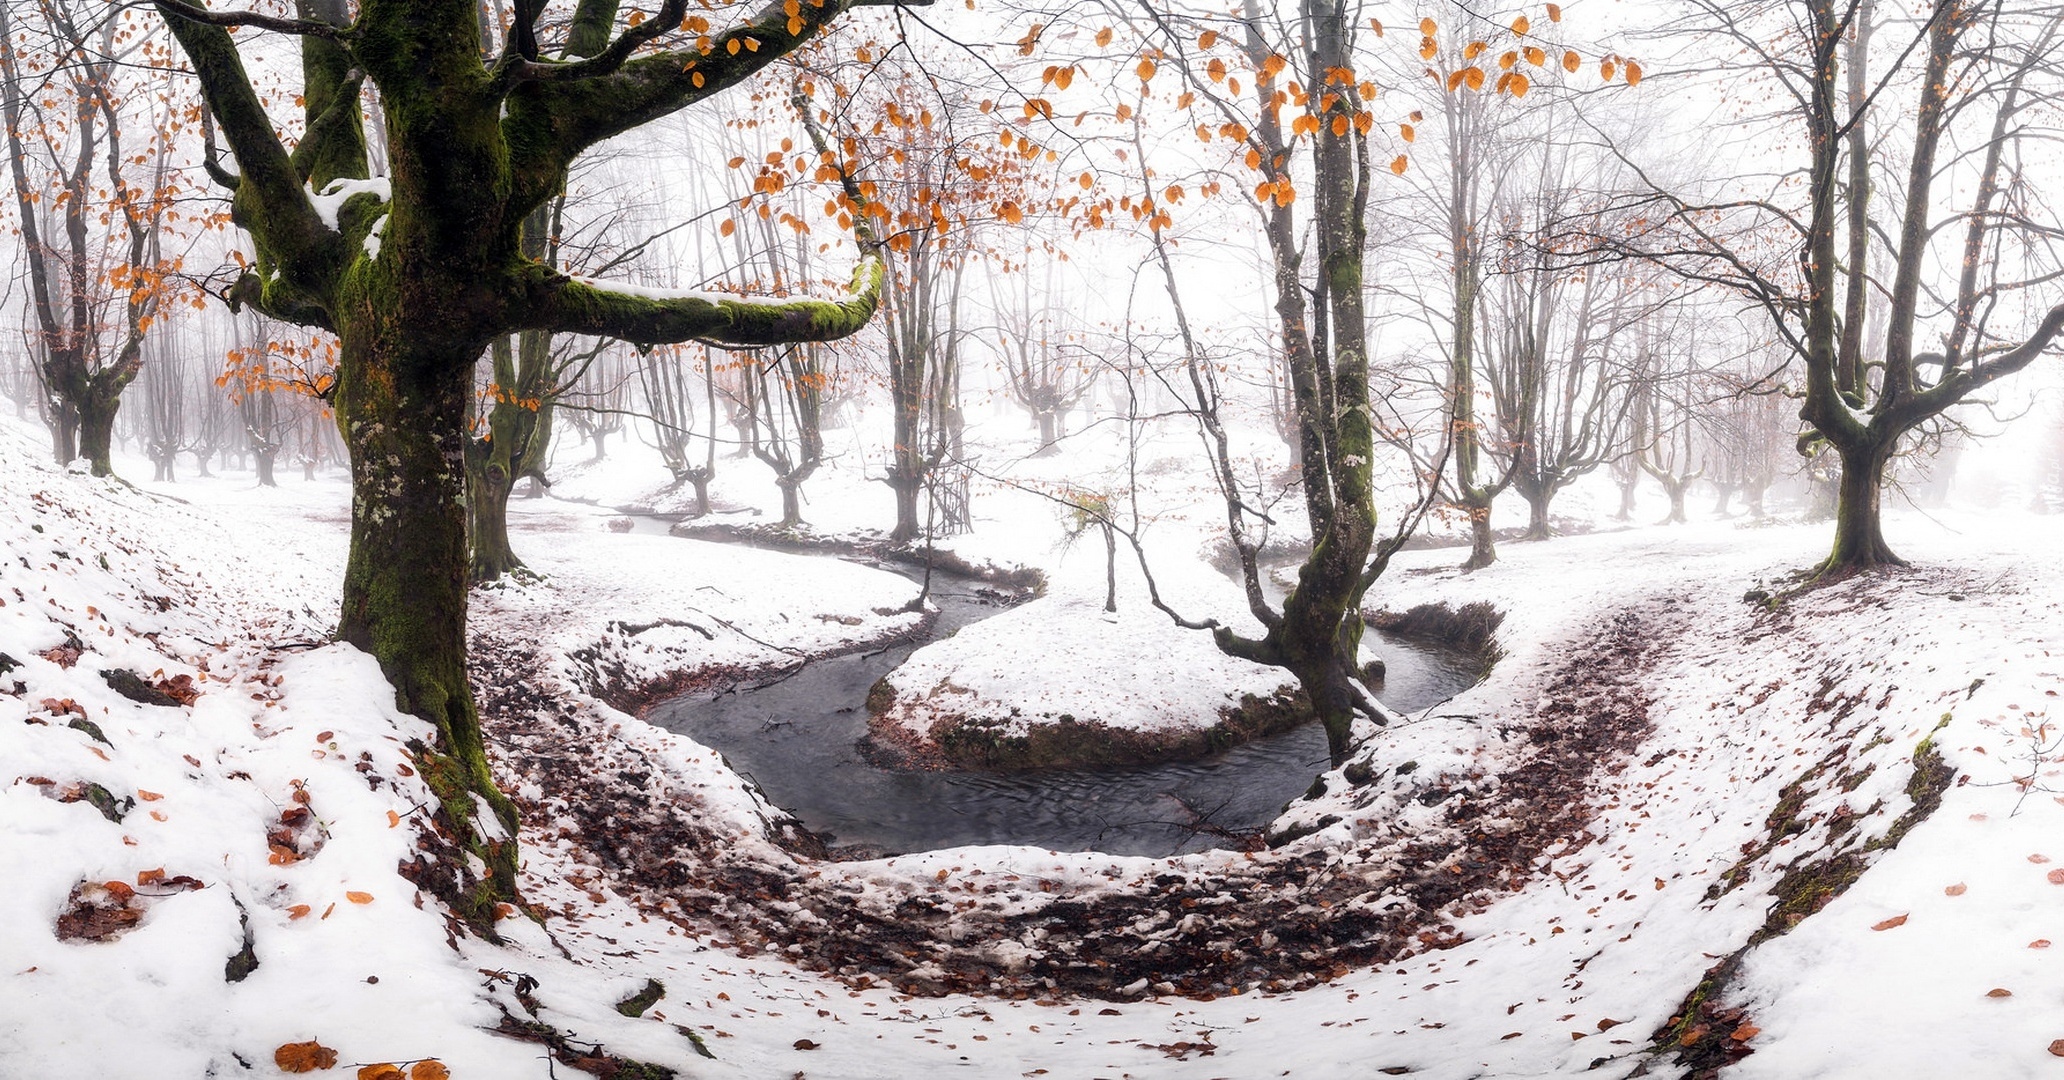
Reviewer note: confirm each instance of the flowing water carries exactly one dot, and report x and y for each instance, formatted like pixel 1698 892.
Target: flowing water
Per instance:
pixel 799 736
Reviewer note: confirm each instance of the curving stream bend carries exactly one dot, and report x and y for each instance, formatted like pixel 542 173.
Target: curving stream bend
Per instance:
pixel 798 736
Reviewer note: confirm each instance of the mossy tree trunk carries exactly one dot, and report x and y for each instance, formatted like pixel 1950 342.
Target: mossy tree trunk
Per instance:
pixel 418 273
pixel 1861 407
pixel 1315 634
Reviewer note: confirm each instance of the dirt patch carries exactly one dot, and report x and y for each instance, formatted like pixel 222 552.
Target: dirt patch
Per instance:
pixel 1201 928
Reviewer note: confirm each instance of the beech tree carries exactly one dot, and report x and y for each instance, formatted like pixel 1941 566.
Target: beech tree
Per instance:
pixel 1948 93
pixel 1294 107
pixel 94 196
pixel 417 272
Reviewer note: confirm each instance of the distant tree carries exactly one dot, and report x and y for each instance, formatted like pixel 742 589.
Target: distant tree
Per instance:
pixel 90 131
pixel 1960 83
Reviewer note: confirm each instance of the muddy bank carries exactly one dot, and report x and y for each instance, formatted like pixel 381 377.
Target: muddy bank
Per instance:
pixel 1004 744
pixel 1018 582
pixel 1197 928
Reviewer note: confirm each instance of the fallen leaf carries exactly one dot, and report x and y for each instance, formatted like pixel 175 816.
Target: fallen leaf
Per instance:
pixel 805 1044
pixel 1999 991
pixel 120 890
pixel 2038 857
pixel 148 796
pixel 393 819
pixel 359 897
pixel 429 1069
pixel 2056 877
pixel 304 1057
pixel 326 911
pixel 324 736
pixel 297 911
pixel 1745 1032
pixel 1957 889
pixel 2057 1047
pixel 382 1071
pixel 150 877
pixel 1896 920
pixel 2039 943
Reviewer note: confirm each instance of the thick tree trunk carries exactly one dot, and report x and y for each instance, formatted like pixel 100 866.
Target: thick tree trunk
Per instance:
pixel 488 489
pixel 263 460
pixel 64 433
pixel 1676 490
pixel 699 479
pixel 1482 550
pixel 403 422
pixel 1720 506
pixel 1049 432
pixel 907 489
pixel 1626 511
pixel 791 503
pixel 1537 513
pixel 1859 536
pixel 97 431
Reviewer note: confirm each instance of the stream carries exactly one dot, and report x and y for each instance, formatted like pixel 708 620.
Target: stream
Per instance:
pixel 798 737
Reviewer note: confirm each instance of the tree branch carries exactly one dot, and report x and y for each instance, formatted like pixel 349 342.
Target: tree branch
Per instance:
pixel 194 13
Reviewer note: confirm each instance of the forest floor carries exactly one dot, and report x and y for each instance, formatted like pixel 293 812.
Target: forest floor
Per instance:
pixel 1675 828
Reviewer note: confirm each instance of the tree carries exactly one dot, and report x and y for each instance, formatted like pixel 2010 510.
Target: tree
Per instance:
pixel 93 213
pixel 1047 374
pixel 1982 66
pixel 417 272
pixel 670 406
pixel 1305 134
pixel 1560 394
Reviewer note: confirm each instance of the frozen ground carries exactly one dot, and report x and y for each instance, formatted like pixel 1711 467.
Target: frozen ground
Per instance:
pixel 1751 750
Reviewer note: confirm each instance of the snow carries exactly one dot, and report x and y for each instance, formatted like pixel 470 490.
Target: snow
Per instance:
pixel 330 201
pixel 1826 699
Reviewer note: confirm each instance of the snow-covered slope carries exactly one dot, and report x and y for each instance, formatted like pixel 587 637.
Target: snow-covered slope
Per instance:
pixel 1564 852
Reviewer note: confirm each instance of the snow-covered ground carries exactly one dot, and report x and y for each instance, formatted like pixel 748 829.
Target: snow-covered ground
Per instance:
pixel 1748 748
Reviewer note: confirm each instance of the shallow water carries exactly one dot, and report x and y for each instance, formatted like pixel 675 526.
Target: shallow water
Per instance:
pixel 798 738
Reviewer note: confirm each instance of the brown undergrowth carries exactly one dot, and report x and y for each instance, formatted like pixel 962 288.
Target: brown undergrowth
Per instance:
pixel 1276 920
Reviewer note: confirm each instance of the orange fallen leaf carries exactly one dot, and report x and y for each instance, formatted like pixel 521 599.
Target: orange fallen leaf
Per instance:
pixel 1896 920
pixel 148 796
pixel 359 897
pixel 2057 1047
pixel 385 1070
pixel 297 911
pixel 393 819
pixel 158 815
pixel 2038 858
pixel 150 877
pixel 2056 877
pixel 304 1057
pixel 429 1069
pixel 326 911
pixel 120 890
pixel 1998 992
pixel 1745 1032
pixel 1957 889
